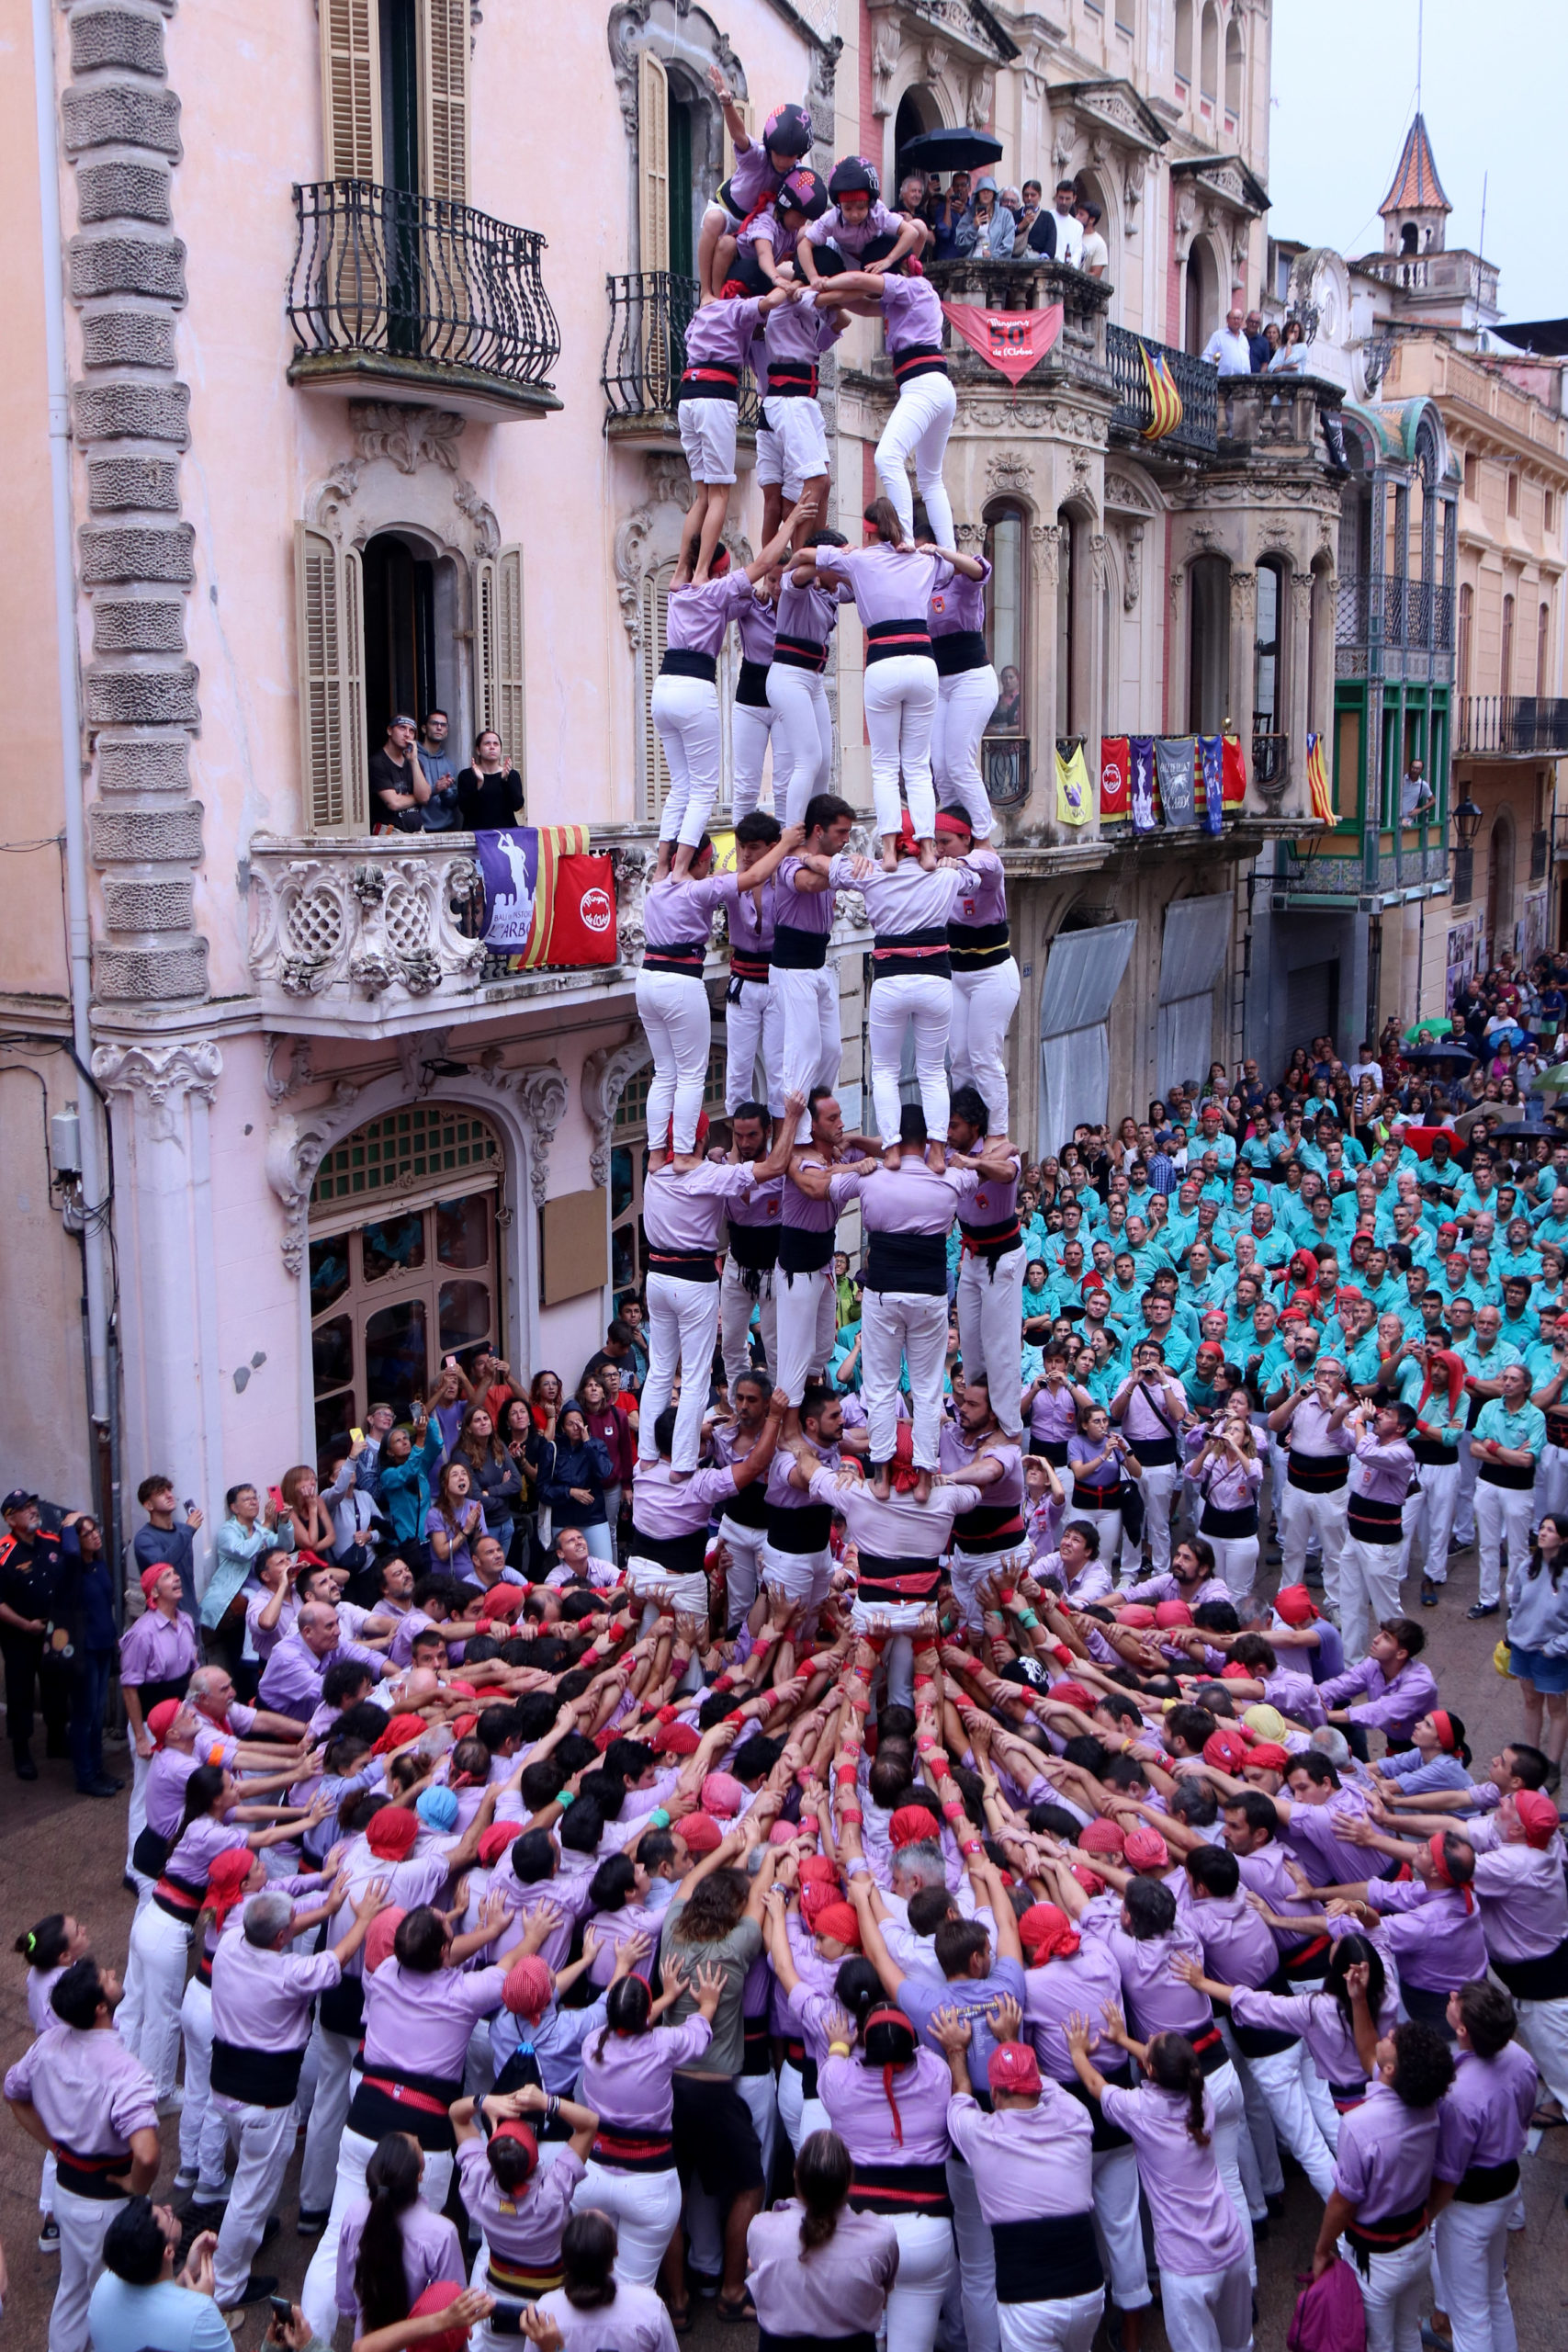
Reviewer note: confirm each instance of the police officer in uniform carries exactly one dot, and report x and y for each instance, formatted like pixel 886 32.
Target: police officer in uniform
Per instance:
pixel 31 1585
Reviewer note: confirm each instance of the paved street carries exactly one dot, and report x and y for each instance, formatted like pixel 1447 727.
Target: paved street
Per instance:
pixel 60 1853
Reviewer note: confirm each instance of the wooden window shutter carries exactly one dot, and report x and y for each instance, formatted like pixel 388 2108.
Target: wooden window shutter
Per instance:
pixel 334 782
pixel 653 160
pixel 743 108
pixel 655 613
pixel 351 89
pixel 498 622
pixel 443 98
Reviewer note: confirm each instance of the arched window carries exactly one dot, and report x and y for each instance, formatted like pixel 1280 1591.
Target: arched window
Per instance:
pixel 1007 538
pixel 1068 623
pixel 1209 62
pixel 1506 660
pixel 1268 704
pixel 1466 626
pixel 1235 67
pixel 1500 886
pixel 1184 41
pixel 402 1258
pixel 1201 309
pixel 1409 238
pixel 1209 625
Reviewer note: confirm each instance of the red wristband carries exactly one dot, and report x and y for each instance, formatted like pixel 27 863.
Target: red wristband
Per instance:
pixel 848 1812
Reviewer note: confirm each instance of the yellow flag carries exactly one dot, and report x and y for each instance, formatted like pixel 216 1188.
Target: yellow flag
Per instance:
pixel 1072 788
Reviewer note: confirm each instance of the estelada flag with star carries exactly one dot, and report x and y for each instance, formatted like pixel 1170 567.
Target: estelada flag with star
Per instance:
pixel 1317 781
pixel 1010 341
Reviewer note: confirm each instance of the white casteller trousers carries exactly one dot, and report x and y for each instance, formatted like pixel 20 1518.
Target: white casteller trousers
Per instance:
pixel 745 1566
pixel 735 1306
pixel 806 1308
pixel 265 2139
pixel 1369 1591
pixel 155 1989
pixel 897 1324
pixel 83 2225
pixel 682 1327
pixel 202 2130
pixel 645 2207
pixel 1503 1515
pixel 754 1030
pixel 1119 2229
pixel 928 2264
pixel 318 2296
pixel 685 711
pixel 813 1038
pixel 335 2056
pixel 673 1009
pixel 1209 2311
pixel 1393 2291
pixel 925 1003
pixel 1469 2275
pixel 1158 1487
pixel 1068 2324
pixel 990 1317
pixel 751 729
pixel 918 426
pixel 1281 2080
pixel 1301 1515
pixel 970 1570
pixel 977 2290
pixel 899 700
pixel 963 705
pixel 1428 1517
pixel 798 700
pixel 983 1007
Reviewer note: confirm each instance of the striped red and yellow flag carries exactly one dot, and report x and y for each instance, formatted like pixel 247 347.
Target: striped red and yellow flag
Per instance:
pixel 1165 401
pixel 1317 781
pixel 556 842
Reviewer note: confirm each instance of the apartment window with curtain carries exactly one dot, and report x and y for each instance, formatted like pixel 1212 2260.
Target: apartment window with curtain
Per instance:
pixel 1543 650
pixel 1466 628
pixel 1506 660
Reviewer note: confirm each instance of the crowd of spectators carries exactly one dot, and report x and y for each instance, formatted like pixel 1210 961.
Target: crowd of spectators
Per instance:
pixel 975 219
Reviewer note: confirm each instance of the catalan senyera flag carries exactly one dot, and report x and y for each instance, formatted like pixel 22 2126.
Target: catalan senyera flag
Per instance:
pixel 1165 401
pixel 1317 781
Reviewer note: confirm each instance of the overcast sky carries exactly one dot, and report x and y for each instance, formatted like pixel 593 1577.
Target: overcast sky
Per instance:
pixel 1492 88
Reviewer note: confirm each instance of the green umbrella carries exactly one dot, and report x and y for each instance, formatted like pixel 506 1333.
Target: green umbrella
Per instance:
pixel 1556 1076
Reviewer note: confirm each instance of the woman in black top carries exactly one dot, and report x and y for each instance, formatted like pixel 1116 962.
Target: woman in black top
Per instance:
pixel 575 1482
pixel 490 794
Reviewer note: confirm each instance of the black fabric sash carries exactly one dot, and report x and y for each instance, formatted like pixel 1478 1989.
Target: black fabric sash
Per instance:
pixel 256 2078
pixel 804 1251
pixel 886 639
pixel 89 2176
pixel 1230 1526
pixel 800 1529
pixel 921 954
pixel 799 653
pixel 959 649
pixel 374 2111
pixel 790 380
pixel 1485 2184
pixel 914 1262
pixel 752 687
pixel 1384 2236
pixel 684 661
pixel 1316 1474
pixel 748 1507
pixel 746 966
pixel 1045 2261
pixel 342 2008
pixel 918 360
pixel 682 956
pixel 754 1246
pixel 1107 2135
pixel 796 950
pixel 900 2189
pixel 709 383
pixel 1266 2041
pixel 979 946
pixel 684 1265
pixel 1507 1474
pixel 1429 1455
pixel 1373 1522
pixel 678 1555
pixel 897 1580
pixel 862 2341
pixel 994 1527
pixel 633 2147
pixel 1544 1978
pixel 149 1854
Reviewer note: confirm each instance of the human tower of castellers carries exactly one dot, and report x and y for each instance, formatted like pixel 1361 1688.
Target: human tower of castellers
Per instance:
pixel 860 1843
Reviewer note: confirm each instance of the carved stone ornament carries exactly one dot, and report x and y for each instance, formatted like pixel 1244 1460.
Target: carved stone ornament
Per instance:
pixel 672 28
pixel 160 1077
pixel 1009 474
pixel 339 921
pixel 1132 193
pixel 411 437
pixel 647 535
pixel 1243 596
pixel 1132 557
pixel 1127 495
pixel 1043 538
pixel 633 870
pixel 883 64
pixel 982 92
pixel 1096 558
pixel 604 1075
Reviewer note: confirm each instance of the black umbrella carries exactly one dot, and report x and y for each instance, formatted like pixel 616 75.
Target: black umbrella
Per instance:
pixel 1526 1131
pixel 950 151
pixel 1437 1056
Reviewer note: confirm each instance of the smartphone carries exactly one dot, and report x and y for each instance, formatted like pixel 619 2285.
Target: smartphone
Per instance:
pixel 189 1504
pixel 274 1496
pixel 282 2309
pixel 358 1436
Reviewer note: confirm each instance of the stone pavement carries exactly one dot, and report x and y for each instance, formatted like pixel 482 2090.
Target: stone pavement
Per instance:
pixel 59 1852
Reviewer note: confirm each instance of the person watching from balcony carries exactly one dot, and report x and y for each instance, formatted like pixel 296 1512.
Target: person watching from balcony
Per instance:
pixel 1290 356
pixel 917 203
pixel 399 787
pixel 1096 252
pixel 490 794
pixel 436 761
pixel 987 227
pixel 1069 228
pixel 1257 342
pixel 946 213
pixel 1415 794
pixel 1227 349
pixel 1036 226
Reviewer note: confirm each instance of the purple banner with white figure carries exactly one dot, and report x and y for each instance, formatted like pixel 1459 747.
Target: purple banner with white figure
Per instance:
pixel 509 865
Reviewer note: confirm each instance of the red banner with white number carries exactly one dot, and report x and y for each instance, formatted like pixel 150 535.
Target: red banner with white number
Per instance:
pixel 1010 341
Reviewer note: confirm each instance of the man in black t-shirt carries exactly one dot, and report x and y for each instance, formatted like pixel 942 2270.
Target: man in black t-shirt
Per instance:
pixel 399 786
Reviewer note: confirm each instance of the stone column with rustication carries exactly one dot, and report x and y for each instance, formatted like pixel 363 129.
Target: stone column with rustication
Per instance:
pixel 125 274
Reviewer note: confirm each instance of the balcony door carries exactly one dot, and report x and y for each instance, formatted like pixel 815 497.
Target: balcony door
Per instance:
pixel 400 634
pixel 395 95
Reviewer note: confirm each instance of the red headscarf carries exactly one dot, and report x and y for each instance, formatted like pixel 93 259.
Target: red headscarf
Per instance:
pixel 1146 1849
pixel 1440 1864
pixel 379 1938
pixel 226 1882
pixel 390 1832
pixel 1537 1816
pixel 1013 2067
pixel 149 1577
pixel 838 1920
pixel 1442 1723
pixel 1048 1932
pixel 1453 1373
pixel 904 1472
pixel 161 1718
pixel 1101 1836
pixel 398 1732
pixel 913 1824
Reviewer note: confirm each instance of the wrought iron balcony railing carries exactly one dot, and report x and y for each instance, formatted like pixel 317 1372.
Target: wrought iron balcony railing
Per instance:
pixel 1004 763
pixel 1385 610
pixel 1197 383
pixel 387 287
pixel 1270 758
pixel 1512 726
pixel 645 349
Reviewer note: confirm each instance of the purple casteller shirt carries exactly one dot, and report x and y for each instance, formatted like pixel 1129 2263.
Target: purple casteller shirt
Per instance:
pixel 832 229
pixel 750 924
pixel 680 914
pixel 684 1213
pixel 699 616
pixel 889 585
pixel 959 609
pixel 1386 2154
pixel 1483 2118
pixel 909 900
pixel 720 334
